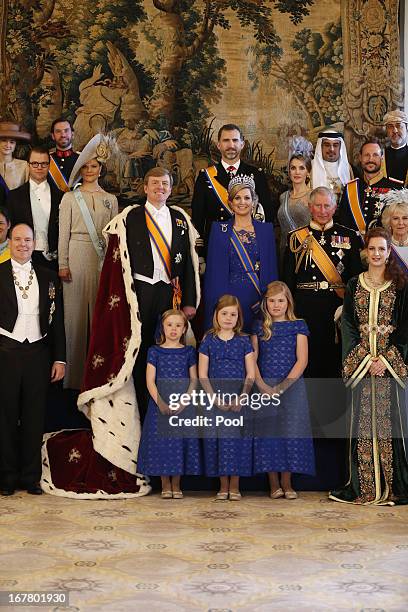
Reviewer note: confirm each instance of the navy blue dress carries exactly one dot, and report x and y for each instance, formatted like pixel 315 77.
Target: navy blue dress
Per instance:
pixel 291 447
pixel 224 272
pixel 160 453
pixel 228 452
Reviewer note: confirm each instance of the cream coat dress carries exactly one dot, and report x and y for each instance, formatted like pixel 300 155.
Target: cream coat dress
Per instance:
pixel 76 252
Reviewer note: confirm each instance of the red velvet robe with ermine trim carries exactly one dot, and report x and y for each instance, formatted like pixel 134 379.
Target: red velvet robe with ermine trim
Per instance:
pixel 108 396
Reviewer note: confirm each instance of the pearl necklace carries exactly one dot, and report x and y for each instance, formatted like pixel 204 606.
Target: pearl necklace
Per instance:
pixel 399 242
pixel 24 289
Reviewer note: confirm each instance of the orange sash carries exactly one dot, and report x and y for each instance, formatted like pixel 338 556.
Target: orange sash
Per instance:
pixel 220 191
pixel 160 242
pixel 321 259
pixel 354 203
pixel 57 176
pixel 163 249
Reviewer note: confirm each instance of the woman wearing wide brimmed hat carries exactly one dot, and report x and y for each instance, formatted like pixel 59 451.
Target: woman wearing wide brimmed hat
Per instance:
pixel 84 212
pixel 14 171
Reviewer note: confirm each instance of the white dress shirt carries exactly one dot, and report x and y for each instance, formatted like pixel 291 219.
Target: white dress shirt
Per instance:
pixel 40 196
pixel 162 218
pixel 236 166
pixel 27 325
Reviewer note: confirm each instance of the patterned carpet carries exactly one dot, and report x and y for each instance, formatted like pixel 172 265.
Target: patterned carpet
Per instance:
pixel 193 554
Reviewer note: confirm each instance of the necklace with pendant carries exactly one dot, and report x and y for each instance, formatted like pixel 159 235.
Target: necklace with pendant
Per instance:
pixel 375 284
pixel 24 290
pixel 400 243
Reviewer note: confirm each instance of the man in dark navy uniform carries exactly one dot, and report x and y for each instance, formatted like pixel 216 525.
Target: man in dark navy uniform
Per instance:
pixel 63 155
pixel 316 296
pixel 360 206
pixel 212 183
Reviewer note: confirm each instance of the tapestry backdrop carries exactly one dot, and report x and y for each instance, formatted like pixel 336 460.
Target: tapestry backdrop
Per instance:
pixel 165 74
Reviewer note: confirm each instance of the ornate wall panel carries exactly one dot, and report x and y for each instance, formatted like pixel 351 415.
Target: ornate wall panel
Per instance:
pixel 373 78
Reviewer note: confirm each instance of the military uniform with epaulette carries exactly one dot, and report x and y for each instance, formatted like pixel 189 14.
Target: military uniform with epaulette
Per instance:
pixel 318 295
pixel 206 206
pixel 65 162
pixel 360 206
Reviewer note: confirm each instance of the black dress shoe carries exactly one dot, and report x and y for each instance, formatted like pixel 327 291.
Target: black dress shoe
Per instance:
pixel 6 492
pixel 34 490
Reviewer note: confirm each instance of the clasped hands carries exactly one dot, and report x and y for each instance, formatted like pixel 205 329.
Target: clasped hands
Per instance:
pixel 233 405
pixel 377 367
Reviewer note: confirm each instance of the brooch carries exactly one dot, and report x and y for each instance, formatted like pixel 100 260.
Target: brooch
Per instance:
pixel 178 258
pixel 181 223
pixel 224 227
pixel 51 291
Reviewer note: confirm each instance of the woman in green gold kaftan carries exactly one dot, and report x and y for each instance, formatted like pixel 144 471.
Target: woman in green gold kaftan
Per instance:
pixel 375 349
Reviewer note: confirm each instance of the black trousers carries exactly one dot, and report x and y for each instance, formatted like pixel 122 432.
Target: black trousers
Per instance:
pixel 318 308
pixel 153 301
pixel 24 381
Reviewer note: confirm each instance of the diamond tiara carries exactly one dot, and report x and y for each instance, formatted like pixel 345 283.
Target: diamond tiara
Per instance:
pixel 242 179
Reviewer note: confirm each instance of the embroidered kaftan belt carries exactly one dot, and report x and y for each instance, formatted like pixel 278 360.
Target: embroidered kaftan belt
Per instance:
pixel 379 329
pixel 320 285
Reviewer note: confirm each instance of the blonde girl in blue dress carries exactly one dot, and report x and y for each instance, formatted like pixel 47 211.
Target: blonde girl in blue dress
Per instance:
pixel 162 453
pixel 284 444
pixel 227 365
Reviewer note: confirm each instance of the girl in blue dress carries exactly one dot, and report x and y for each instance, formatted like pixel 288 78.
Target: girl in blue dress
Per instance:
pixel 227 365
pixel 161 453
pixel 281 349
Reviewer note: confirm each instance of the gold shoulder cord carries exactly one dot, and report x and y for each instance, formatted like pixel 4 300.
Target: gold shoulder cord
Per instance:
pixel 302 250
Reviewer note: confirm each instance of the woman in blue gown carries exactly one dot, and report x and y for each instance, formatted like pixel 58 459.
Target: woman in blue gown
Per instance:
pixel 241 258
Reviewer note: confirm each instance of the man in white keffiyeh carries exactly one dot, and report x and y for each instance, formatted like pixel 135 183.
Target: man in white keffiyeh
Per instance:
pixel 330 166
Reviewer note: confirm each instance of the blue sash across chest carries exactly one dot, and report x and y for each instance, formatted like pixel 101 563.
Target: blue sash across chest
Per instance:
pixel 399 259
pixel 245 261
